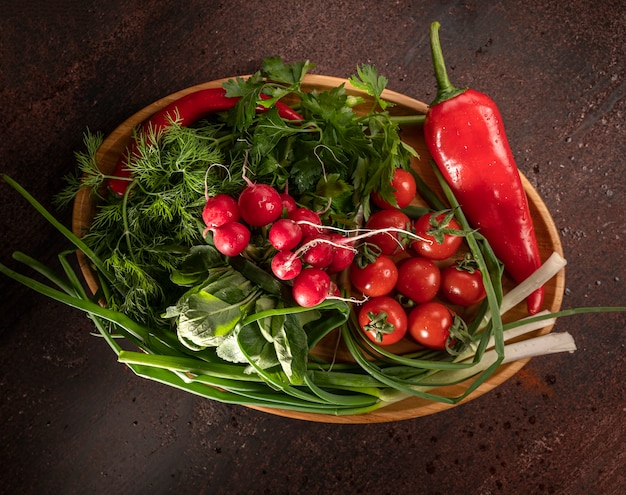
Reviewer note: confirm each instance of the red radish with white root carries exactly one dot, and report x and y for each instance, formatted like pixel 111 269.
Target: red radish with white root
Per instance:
pixel 259 204
pixel 221 217
pixel 308 220
pixel 325 250
pixel 289 204
pixel 286 265
pixel 344 254
pixel 285 234
pixel 311 287
pixel 318 251
pixel 231 239
pixel 219 210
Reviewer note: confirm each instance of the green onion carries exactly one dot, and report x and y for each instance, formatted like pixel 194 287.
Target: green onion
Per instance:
pixel 554 264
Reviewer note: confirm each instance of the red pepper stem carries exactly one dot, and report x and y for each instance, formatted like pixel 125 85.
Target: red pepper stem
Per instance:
pixel 445 90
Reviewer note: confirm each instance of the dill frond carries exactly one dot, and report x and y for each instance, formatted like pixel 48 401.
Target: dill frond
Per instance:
pixel 88 173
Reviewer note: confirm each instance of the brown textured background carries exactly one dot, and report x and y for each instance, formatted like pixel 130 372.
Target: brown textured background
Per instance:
pixel 73 421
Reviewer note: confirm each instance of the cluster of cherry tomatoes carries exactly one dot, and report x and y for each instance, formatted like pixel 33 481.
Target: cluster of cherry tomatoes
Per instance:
pixel 412 282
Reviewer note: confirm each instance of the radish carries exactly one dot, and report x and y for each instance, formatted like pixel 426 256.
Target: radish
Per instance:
pixel 308 217
pixel 285 234
pixel 289 204
pixel 311 287
pixel 344 254
pixel 231 239
pixel 219 210
pixel 334 292
pixel 285 265
pixel 259 204
pixel 318 251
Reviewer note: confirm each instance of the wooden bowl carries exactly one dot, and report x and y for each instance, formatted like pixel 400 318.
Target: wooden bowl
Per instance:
pixel 547 236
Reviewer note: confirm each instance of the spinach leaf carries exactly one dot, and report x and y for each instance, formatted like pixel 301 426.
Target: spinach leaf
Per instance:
pixel 206 314
pixel 287 349
pixel 256 348
pixel 269 325
pixel 195 267
pixel 290 343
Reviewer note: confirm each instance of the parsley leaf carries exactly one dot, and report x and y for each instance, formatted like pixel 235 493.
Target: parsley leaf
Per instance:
pixel 248 90
pixel 332 187
pixel 276 70
pixel 368 80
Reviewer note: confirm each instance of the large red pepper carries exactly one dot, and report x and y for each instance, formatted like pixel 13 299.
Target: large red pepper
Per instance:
pixel 466 138
pixel 187 110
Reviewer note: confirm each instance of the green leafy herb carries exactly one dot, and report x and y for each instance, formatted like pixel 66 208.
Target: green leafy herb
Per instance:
pixel 276 70
pixel 144 236
pixel 249 91
pixel 368 80
pixel 87 173
pixel 206 314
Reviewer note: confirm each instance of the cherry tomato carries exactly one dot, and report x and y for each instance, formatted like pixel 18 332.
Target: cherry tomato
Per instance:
pixel 418 279
pixel 430 323
pixel 375 279
pixel 405 189
pixel 462 286
pixel 440 233
pixel 390 242
pixel 383 320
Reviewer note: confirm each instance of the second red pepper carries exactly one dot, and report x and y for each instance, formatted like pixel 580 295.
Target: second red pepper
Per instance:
pixel 466 139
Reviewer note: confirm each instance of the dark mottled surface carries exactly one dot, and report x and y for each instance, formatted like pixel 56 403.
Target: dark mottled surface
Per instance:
pixel 73 421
